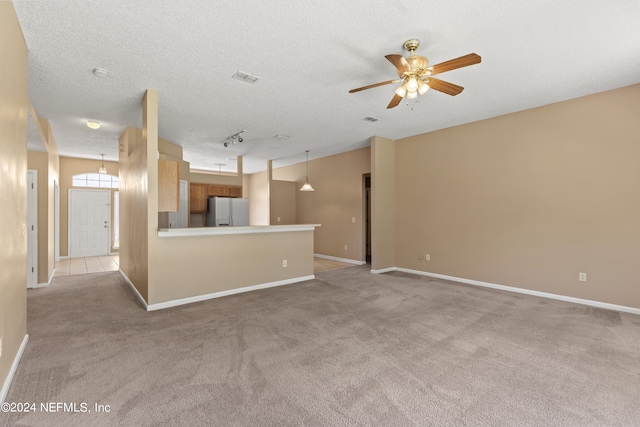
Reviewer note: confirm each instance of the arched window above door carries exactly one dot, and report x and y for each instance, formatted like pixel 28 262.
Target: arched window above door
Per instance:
pixel 96 180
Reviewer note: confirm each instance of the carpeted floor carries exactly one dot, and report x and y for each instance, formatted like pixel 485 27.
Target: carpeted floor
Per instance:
pixel 347 349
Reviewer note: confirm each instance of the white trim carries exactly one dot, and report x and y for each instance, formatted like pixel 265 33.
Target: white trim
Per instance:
pixel 12 371
pixel 335 258
pixel 574 300
pixel 135 291
pixel 182 301
pixel 383 270
pixel 45 284
pixel 216 231
pixel 64 257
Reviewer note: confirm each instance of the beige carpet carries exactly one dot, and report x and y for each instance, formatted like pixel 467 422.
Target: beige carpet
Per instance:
pixel 346 349
pixel 322 264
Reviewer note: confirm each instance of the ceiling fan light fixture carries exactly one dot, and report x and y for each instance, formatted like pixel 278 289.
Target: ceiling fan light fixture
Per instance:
pixel 402 90
pixel 412 84
pixel 412 95
pixel 422 87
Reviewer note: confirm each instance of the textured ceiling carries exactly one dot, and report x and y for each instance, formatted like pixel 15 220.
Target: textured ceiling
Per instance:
pixel 308 55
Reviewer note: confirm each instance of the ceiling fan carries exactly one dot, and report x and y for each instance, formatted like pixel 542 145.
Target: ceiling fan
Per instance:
pixel 416 74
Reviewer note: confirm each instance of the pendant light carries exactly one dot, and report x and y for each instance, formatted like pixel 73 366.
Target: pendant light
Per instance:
pixel 307 186
pixel 102 169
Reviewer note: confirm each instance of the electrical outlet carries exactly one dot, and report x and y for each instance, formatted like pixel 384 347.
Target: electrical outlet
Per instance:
pixel 278 219
pixel 582 277
pixel 427 257
pixel 284 262
pixel 353 219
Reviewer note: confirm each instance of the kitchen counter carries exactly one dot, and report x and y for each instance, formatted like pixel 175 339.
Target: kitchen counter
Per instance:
pixel 220 231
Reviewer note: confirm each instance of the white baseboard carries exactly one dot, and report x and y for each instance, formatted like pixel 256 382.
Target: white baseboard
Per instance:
pixel 174 303
pixel 135 290
pixel 12 371
pixel 45 284
pixel 64 257
pixel 383 270
pixel 182 301
pixel 592 303
pixel 335 258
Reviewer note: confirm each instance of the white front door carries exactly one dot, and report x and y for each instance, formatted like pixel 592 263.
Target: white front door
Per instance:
pixel 32 228
pixel 89 222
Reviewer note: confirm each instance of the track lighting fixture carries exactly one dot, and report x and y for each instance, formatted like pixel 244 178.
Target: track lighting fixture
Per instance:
pixel 234 139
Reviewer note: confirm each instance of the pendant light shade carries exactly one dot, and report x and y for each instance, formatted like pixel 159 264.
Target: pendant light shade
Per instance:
pixel 307 186
pixel 102 169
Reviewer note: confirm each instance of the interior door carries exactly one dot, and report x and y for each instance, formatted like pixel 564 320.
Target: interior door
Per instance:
pixel 32 228
pixel 89 222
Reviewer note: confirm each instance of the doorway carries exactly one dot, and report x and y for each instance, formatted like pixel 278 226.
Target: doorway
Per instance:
pixel 89 222
pixel 32 228
pixel 367 217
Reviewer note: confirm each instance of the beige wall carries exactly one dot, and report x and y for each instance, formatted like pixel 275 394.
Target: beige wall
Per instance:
pixel 257 191
pixel 383 203
pixel 338 197
pixel 14 104
pixel 223 178
pixel 282 202
pixel 70 166
pixel 529 199
pixel 133 208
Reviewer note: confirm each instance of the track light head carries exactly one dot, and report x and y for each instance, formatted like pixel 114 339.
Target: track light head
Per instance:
pixel 240 139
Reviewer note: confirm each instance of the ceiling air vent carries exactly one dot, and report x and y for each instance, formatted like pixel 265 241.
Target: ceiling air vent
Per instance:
pixel 239 75
pixel 371 119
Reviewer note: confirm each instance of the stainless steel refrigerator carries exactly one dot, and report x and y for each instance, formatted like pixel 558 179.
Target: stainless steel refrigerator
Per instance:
pixel 227 212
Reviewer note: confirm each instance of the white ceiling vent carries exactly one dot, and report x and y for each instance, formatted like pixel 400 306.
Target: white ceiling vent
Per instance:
pixel 371 119
pixel 239 75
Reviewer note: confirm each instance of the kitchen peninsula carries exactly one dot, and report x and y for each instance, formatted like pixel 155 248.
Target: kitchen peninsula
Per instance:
pixel 196 264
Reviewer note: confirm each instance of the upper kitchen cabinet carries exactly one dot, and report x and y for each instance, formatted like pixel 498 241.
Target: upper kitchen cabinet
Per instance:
pixel 221 190
pixel 234 191
pixel 168 186
pixel 216 190
pixel 198 198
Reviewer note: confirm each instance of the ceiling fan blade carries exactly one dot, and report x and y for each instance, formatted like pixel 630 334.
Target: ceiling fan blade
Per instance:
pixel 463 61
pixel 399 62
pixel 373 85
pixel 395 101
pixel 444 87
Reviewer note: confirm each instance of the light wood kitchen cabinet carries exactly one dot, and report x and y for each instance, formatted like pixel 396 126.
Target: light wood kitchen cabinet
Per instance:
pixel 216 190
pixel 198 198
pixel 234 191
pixel 224 190
pixel 168 186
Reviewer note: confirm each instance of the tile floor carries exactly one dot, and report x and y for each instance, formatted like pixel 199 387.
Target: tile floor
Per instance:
pixel 94 264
